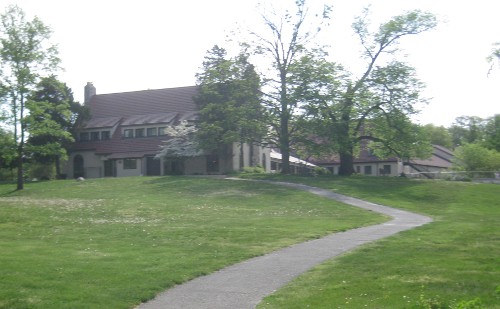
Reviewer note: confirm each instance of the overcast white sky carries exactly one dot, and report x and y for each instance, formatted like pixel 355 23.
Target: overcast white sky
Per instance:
pixel 131 45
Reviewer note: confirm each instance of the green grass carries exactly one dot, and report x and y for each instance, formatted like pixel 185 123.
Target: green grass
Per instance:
pixel 112 243
pixel 453 262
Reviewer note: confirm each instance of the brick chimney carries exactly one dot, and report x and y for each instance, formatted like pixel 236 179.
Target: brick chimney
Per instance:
pixel 90 91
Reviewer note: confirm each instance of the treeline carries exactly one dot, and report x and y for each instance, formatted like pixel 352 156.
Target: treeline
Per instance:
pixel 475 141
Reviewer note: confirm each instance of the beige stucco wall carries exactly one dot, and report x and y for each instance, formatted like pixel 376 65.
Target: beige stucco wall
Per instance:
pixel 93 165
pixel 121 172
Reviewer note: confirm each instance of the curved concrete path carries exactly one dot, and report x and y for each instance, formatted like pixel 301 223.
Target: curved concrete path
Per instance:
pixel 245 284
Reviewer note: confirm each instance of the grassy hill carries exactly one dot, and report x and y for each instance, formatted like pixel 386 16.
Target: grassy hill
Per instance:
pixel 454 262
pixel 112 243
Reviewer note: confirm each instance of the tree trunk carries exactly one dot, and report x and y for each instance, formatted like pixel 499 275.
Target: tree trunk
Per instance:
pixel 20 172
pixel 346 163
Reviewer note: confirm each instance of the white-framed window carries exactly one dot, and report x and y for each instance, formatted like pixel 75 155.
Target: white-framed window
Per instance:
pixel 368 169
pixel 151 131
pixel 162 131
pixel 105 135
pixel 128 133
pixel 94 136
pixel 139 132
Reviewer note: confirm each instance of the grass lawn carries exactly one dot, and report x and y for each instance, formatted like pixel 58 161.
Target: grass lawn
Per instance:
pixel 453 262
pixel 112 243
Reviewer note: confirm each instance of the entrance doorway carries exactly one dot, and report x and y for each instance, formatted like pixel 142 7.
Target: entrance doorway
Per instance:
pixel 153 166
pixel 78 169
pixel 110 168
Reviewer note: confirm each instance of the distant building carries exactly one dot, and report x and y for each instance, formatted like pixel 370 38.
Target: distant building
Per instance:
pixel 368 164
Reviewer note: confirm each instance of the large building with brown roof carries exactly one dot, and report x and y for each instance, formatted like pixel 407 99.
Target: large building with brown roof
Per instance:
pixel 125 131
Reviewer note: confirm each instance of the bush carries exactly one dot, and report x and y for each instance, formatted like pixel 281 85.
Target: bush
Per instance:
pixel 320 171
pixel 253 170
pixel 41 171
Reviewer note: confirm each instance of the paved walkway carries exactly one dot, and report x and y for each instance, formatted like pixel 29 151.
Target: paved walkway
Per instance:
pixel 245 284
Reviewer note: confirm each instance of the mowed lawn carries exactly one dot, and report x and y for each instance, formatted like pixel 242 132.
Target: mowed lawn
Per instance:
pixel 112 243
pixel 453 262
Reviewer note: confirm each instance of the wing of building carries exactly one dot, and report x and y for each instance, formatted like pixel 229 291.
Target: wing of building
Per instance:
pixel 368 164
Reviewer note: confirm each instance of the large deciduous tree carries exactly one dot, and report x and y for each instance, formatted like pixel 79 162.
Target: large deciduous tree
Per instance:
pixel 289 32
pixel 229 102
pixel 377 105
pixel 26 55
pixel 52 116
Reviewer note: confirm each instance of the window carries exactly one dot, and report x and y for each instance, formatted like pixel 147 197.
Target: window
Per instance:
pixel 368 170
pixel 130 164
pixel 105 135
pixel 386 170
pixel 162 131
pixel 94 136
pixel 139 132
pixel 358 169
pixel 84 136
pixel 128 133
pixel 151 131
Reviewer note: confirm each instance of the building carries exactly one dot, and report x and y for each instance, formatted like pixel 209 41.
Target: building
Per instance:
pixel 368 164
pixel 125 131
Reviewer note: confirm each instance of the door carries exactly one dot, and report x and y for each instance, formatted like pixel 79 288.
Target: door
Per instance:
pixel 78 166
pixel 153 166
pixel 110 168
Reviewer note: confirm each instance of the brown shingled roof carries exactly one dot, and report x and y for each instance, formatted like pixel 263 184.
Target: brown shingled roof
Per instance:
pixel 147 107
pixel 169 100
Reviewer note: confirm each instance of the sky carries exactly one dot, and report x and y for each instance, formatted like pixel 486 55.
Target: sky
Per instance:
pixel 130 45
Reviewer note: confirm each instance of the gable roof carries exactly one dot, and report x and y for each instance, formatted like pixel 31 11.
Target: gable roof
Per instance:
pixel 145 102
pixel 137 108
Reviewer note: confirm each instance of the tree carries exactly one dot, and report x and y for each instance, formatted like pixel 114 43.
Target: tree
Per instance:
pixel 438 135
pixel 180 143
pixel 474 157
pixel 26 54
pixel 8 146
pixel 467 130
pixel 229 102
pixel 494 57
pixel 283 45
pixel 492 133
pixel 52 116
pixel 376 106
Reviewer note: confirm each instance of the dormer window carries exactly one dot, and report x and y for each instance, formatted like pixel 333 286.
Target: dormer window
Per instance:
pixel 162 131
pixel 94 136
pixel 139 132
pixel 151 131
pixel 128 133
pixel 84 136
pixel 105 135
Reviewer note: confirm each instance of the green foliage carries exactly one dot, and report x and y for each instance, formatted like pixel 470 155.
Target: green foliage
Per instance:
pixel 377 105
pixel 8 146
pixel 283 47
pixel 25 56
pixel 467 130
pixel 474 157
pixel 229 101
pixel 41 171
pixel 438 135
pixel 492 133
pixel 253 170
